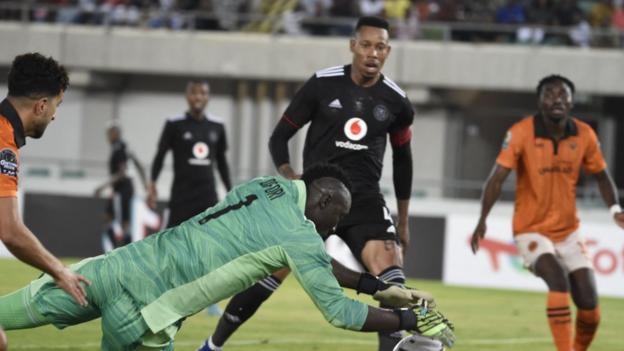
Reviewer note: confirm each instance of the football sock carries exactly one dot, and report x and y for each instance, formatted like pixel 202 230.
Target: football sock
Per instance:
pixel 559 319
pixel 241 307
pixel 17 311
pixel 586 325
pixel 391 275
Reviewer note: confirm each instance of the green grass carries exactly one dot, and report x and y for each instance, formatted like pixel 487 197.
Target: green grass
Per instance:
pixel 485 319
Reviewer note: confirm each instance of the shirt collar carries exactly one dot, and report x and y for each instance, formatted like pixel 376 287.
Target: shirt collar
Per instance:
pixel 8 111
pixel 301 191
pixel 539 128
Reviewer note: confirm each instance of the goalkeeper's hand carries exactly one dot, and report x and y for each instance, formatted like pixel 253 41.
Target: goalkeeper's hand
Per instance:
pixel 397 296
pixel 428 322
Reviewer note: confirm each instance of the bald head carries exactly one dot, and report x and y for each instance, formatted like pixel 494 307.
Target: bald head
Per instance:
pixel 328 201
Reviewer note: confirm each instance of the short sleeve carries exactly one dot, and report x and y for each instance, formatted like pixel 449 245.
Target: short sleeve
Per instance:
pixel 8 165
pixel 511 150
pixel 593 161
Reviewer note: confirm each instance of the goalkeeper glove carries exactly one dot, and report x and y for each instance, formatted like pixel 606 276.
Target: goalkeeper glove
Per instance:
pixel 393 295
pixel 427 322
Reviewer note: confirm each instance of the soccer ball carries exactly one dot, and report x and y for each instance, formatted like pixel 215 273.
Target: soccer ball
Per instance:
pixel 419 343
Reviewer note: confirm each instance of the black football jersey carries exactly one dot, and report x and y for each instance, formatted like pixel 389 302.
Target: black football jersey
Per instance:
pixel 118 160
pixel 349 124
pixel 195 146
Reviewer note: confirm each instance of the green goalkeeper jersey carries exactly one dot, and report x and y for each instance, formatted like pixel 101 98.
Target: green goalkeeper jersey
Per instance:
pixel 258 228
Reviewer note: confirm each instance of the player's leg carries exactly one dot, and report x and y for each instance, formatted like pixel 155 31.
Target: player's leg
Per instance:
pixel 127 193
pixel 241 307
pixel 3 340
pixel 538 253
pixel 583 288
pixel 375 245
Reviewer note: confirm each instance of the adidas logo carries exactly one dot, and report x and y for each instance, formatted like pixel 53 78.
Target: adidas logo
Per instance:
pixel 335 104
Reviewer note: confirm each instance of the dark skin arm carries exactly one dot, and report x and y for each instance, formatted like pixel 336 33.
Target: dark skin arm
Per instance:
pixel 491 193
pixel 609 194
pixel 379 319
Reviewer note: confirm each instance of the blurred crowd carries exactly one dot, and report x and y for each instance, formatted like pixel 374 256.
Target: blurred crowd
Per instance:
pixel 558 22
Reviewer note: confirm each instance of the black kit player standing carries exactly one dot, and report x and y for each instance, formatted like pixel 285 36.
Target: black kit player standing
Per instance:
pixel 197 141
pixel 118 209
pixel 351 110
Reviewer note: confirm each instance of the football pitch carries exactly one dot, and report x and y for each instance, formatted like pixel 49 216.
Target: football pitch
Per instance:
pixel 484 319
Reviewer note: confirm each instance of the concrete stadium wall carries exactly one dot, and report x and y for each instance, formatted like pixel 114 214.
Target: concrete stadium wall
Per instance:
pixel 249 56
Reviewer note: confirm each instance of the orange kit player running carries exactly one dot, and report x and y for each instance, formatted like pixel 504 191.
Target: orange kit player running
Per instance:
pixel 547 152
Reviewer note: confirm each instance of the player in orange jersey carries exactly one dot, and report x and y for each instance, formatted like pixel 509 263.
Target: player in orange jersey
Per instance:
pixel 547 151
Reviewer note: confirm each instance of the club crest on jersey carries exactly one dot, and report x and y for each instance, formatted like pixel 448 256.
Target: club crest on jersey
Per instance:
pixel 8 163
pixel 380 112
pixel 355 129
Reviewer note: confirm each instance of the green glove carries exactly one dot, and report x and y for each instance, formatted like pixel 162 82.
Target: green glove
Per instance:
pixel 427 322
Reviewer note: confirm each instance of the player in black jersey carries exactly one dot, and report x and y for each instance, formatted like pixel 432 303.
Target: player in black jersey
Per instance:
pixel 119 206
pixel 351 110
pixel 197 141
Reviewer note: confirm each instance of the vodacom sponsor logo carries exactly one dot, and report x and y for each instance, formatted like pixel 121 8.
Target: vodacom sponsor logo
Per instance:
pixel 355 129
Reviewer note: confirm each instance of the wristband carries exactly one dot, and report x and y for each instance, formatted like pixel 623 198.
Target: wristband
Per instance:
pixel 369 284
pixel 615 209
pixel 407 318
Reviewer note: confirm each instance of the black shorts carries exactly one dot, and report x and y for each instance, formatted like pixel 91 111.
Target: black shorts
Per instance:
pixel 119 206
pixel 366 221
pixel 180 212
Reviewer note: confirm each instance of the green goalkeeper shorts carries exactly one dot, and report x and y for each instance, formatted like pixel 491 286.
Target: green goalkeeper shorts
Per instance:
pixel 123 327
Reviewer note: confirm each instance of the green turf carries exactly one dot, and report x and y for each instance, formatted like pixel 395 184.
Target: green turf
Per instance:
pixel 485 320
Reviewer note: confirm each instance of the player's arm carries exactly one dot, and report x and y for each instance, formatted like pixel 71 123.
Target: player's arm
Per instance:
pixel 114 178
pixel 222 163
pixel 23 244
pixel 609 193
pixel 366 283
pixel 297 114
pixel 491 193
pixel 402 177
pixel 140 169
pixel 164 144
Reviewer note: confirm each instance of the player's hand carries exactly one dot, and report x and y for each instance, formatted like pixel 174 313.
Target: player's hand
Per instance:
pixel 619 219
pixel 404 235
pixel 477 235
pixel 70 282
pixel 396 296
pixel 431 323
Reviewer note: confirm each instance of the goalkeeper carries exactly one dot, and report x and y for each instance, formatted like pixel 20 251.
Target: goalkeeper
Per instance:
pixel 144 290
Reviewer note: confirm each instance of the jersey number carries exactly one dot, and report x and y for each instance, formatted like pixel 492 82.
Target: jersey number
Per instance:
pixel 221 212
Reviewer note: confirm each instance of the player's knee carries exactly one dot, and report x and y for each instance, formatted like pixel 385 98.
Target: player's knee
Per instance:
pixel 548 268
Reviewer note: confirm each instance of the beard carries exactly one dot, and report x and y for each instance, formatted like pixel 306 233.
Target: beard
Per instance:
pixel 38 130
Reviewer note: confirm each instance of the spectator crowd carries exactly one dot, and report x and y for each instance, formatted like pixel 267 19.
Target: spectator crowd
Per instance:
pixel 558 22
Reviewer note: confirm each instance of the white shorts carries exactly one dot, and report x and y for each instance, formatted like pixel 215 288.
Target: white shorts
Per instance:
pixel 572 252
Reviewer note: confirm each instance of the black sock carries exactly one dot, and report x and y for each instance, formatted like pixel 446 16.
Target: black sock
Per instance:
pixel 391 275
pixel 242 306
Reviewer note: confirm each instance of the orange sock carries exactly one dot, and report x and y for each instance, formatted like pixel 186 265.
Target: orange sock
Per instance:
pixel 559 319
pixel 586 325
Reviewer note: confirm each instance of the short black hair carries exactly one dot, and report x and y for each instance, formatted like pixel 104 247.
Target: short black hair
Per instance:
pixel 554 78
pixel 372 21
pixel 322 170
pixel 34 75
